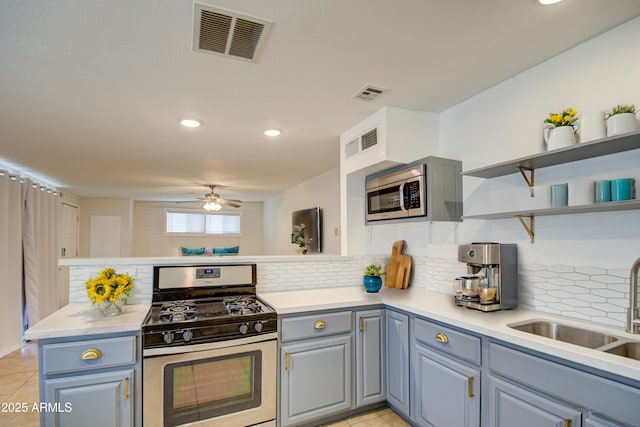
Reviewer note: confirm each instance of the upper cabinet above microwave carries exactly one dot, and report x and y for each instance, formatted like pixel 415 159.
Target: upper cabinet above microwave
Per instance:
pixel 387 138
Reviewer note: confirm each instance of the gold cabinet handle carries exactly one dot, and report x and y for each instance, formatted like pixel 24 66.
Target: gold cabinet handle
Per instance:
pixel 320 324
pixel 362 324
pixel 442 338
pixel 470 387
pixel 567 422
pixel 286 361
pixel 90 354
pixel 126 388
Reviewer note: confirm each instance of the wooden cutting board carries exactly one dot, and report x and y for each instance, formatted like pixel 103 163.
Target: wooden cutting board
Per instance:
pixel 399 268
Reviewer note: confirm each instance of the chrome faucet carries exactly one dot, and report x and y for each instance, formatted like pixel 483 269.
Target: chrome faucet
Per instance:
pixel 633 312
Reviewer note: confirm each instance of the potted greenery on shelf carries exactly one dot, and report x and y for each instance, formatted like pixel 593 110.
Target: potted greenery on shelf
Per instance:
pixel 621 119
pixel 372 277
pixel 559 129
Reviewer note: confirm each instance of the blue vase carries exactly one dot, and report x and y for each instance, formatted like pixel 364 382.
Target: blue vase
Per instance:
pixel 372 283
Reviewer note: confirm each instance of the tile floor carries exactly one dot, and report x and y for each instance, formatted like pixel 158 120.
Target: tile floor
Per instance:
pixel 19 373
pixel 19 384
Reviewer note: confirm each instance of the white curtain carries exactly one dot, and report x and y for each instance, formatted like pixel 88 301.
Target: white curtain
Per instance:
pixel 10 263
pixel 40 242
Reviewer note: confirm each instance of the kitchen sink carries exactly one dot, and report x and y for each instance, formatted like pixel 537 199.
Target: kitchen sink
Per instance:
pixel 568 334
pixel 627 349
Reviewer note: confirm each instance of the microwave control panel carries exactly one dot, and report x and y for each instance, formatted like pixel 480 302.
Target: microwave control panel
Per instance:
pixel 413 193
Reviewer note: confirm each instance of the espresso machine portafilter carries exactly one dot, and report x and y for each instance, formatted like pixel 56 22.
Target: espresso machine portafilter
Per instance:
pixel 494 267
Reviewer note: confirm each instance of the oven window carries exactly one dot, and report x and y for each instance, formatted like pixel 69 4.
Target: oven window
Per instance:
pixel 207 388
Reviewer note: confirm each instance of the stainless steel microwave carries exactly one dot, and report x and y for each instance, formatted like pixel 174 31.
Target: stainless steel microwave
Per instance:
pixel 397 194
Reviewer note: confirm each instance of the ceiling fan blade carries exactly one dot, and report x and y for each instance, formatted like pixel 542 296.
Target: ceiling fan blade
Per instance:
pixel 228 203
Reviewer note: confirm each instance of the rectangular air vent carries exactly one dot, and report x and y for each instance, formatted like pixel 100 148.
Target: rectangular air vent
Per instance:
pixel 369 93
pixel 369 139
pixel 224 32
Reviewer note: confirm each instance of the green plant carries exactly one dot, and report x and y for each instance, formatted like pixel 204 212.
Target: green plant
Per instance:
pixel 621 109
pixel 373 270
pixel 297 237
pixel 568 117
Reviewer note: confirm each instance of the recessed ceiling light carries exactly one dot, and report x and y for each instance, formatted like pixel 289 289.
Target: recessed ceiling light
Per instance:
pixel 272 132
pixel 547 2
pixel 190 123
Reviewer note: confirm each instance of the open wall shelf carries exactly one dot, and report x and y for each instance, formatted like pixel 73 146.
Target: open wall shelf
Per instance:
pixel 527 166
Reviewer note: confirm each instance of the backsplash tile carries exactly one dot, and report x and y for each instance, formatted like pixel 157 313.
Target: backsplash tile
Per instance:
pixel 582 292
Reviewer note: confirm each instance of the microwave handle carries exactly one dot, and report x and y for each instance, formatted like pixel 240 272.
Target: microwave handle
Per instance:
pixel 402 189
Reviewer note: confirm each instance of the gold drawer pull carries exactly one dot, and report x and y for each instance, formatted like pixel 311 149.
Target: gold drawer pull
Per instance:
pixel 567 422
pixel 90 354
pixel 442 338
pixel 126 388
pixel 470 387
pixel 320 324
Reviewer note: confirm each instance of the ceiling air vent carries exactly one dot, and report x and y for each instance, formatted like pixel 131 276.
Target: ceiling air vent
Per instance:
pixel 369 93
pixel 223 32
pixel 369 139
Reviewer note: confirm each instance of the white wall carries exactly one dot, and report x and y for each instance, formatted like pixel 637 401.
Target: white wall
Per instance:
pixel 505 122
pixel 116 207
pixel 323 191
pixel 149 239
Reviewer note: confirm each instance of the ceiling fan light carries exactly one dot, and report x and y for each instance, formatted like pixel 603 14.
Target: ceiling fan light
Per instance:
pixel 190 123
pixel 211 206
pixel 272 132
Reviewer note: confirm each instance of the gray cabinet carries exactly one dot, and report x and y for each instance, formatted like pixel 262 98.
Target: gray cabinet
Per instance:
pixel 104 397
pixel 397 353
pixel 446 380
pixel 92 378
pixel 541 392
pixel 370 356
pixel 315 367
pixel 516 406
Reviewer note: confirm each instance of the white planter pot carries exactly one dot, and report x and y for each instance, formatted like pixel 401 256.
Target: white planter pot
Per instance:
pixel 559 137
pixel 621 123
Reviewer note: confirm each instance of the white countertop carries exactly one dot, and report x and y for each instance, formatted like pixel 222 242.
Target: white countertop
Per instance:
pixel 85 319
pixel 441 307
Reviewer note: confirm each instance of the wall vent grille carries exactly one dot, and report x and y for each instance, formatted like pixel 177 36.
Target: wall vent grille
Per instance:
pixel 369 139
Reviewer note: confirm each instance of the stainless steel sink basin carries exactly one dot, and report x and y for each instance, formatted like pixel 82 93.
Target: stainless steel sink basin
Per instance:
pixel 627 349
pixel 568 334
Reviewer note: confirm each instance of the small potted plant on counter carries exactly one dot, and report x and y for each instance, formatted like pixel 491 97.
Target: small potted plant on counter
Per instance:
pixel 372 277
pixel 621 119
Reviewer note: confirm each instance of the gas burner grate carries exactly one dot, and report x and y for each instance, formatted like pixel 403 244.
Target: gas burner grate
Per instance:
pixel 178 311
pixel 242 305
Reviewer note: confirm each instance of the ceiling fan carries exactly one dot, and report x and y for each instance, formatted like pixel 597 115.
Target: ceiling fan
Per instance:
pixel 213 201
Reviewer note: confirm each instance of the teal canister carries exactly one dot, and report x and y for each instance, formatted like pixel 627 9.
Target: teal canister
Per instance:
pixel 602 191
pixel 622 189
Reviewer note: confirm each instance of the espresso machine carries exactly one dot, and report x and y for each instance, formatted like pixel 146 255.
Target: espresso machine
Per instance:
pixel 491 282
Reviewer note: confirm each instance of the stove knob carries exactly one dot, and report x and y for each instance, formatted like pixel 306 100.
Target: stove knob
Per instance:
pixel 258 326
pixel 243 328
pixel 168 337
pixel 187 335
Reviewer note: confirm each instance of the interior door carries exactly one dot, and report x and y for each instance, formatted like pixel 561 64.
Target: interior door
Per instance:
pixel 69 237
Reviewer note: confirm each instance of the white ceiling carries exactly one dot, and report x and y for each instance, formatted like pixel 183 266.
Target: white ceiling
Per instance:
pixel 90 91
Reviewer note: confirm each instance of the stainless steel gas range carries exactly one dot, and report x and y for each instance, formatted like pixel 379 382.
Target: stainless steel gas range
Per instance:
pixel 209 349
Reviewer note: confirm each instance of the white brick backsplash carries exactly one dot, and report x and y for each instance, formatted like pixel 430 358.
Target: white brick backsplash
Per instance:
pixel 582 292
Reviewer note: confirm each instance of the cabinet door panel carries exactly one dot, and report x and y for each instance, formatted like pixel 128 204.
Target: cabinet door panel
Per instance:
pixel 510 405
pixel 397 328
pixel 370 368
pixel 104 398
pixel 316 379
pixel 447 392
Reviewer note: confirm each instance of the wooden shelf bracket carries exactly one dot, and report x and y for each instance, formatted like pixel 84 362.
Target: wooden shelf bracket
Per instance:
pixel 530 228
pixel 530 180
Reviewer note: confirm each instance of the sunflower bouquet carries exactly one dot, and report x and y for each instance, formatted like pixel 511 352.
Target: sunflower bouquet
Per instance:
pixel 109 291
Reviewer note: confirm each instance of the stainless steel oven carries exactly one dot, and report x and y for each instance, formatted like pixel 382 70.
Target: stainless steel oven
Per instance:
pixel 226 384
pixel 209 349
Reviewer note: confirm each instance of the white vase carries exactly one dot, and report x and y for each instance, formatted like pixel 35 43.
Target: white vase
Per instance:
pixel 621 123
pixel 559 137
pixel 592 126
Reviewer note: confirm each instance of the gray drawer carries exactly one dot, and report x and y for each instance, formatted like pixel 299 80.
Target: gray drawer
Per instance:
pixel 458 344
pixel 85 355
pixel 316 325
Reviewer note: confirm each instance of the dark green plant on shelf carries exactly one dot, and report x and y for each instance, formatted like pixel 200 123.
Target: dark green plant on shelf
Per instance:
pixel 622 109
pixel 373 270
